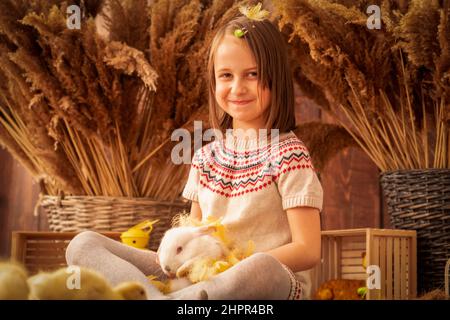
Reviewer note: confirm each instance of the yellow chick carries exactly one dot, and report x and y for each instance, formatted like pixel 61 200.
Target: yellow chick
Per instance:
pixel 362 291
pixel 169 285
pixel 203 269
pixel 13 282
pixel 92 286
pixel 131 291
pixel 163 287
pixel 343 289
pixel 339 289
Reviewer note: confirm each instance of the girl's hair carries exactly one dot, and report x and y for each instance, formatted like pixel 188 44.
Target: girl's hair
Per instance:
pixel 269 50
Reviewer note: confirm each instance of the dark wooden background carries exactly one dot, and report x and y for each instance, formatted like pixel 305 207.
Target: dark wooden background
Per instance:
pixel 352 194
pixel 350 180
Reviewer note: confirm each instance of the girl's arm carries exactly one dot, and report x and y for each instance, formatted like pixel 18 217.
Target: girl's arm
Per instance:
pixel 196 212
pixel 304 251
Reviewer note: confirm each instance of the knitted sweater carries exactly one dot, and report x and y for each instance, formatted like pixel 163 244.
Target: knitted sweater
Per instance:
pixel 250 184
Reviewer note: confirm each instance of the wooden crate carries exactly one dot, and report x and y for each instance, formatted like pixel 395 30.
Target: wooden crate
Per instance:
pixel 394 251
pixel 44 251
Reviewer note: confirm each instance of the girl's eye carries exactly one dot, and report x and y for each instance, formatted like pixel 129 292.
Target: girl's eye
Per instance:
pixel 252 74
pixel 179 249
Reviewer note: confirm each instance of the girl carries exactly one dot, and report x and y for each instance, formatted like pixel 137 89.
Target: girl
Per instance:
pixel 265 192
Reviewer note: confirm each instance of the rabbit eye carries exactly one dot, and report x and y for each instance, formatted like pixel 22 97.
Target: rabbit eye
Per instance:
pixel 179 249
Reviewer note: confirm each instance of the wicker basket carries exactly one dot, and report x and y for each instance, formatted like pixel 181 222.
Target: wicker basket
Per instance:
pixel 77 213
pixel 420 200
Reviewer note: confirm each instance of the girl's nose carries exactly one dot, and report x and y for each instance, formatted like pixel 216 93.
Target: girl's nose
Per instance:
pixel 238 87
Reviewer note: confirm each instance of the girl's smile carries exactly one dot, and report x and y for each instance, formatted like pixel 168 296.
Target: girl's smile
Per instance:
pixel 241 102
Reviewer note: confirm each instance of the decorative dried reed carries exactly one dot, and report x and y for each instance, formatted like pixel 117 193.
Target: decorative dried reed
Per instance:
pixel 392 84
pixel 80 111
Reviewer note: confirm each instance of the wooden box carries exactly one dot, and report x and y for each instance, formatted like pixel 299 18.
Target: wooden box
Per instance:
pixel 44 251
pixel 393 251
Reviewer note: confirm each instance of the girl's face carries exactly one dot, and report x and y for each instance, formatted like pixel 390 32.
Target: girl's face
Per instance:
pixel 237 84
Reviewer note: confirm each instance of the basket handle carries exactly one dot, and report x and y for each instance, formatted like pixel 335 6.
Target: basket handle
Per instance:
pixel 147 224
pixel 36 211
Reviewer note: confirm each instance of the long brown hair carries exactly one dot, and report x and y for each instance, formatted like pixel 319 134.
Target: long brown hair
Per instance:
pixel 269 50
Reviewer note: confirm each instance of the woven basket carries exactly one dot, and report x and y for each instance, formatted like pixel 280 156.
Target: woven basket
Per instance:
pixel 77 213
pixel 420 200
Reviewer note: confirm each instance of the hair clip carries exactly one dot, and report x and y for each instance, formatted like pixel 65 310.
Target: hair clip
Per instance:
pixel 255 12
pixel 239 33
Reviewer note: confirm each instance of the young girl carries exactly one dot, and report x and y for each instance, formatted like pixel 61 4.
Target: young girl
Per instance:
pixel 265 192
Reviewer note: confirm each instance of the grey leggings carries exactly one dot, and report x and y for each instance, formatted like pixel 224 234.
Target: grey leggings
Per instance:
pixel 260 276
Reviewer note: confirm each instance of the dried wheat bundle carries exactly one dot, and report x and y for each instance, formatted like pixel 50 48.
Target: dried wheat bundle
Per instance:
pixel 392 84
pixel 67 103
pixel 25 117
pixel 80 110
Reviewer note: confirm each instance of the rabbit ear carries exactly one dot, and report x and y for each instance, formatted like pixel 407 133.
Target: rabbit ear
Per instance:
pixel 204 230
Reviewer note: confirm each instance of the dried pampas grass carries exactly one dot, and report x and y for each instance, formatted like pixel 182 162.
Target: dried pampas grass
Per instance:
pixel 130 60
pixel 93 115
pixel 391 84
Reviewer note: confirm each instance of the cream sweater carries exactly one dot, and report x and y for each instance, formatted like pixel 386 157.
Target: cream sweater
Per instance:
pixel 251 184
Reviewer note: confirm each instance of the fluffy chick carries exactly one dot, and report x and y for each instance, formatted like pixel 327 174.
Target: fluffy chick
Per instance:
pixel 13 282
pixel 93 286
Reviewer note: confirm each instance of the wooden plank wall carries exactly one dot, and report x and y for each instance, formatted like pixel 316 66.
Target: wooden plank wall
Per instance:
pixel 350 183
pixel 18 196
pixel 352 194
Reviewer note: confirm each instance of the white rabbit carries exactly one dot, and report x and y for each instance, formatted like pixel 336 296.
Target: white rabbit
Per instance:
pixel 181 246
